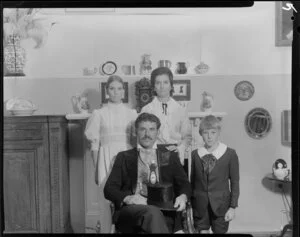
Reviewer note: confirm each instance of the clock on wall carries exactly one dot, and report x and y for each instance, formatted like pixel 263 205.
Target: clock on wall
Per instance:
pixel 143 93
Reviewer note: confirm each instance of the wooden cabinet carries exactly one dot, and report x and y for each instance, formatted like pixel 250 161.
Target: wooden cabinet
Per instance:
pixel 36 175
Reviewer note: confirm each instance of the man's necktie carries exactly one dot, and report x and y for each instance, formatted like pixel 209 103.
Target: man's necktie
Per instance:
pixel 164 107
pixel 209 162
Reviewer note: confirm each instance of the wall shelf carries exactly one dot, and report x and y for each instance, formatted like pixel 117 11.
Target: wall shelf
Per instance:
pixel 196 117
pixel 99 77
pixel 80 116
pixel 203 114
pixel 191 115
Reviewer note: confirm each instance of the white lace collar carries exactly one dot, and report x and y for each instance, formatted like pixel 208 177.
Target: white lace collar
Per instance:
pixel 218 152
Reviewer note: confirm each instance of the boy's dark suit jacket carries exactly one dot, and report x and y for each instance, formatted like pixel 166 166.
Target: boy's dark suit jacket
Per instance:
pixel 122 180
pixel 215 188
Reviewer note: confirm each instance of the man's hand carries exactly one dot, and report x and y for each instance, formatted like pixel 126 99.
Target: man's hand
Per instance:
pixel 135 199
pixel 230 214
pixel 180 202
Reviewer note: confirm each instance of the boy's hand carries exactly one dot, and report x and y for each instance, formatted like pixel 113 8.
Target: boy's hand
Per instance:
pixel 230 214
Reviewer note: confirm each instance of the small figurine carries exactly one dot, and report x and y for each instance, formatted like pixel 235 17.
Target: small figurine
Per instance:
pixel 80 103
pixel 145 64
pixel 207 102
pixel 280 169
pixel 152 176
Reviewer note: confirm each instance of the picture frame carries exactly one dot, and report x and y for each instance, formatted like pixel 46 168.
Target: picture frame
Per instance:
pixel 283 24
pixel 104 96
pixel 286 127
pixel 182 90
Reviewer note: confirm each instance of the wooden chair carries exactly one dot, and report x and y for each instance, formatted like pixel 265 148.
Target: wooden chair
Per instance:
pixel 187 219
pixel 187 214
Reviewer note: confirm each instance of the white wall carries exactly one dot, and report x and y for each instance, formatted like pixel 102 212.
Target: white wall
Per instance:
pixel 237 44
pixel 244 39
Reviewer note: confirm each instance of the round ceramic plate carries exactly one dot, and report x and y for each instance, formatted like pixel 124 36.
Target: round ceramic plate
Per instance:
pixel 244 90
pixel 109 68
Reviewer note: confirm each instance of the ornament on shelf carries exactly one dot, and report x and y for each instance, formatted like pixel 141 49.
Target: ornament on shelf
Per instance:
pixel 201 68
pixel 207 102
pixel 89 71
pixel 20 24
pixel 145 64
pixel 20 106
pixel 280 169
pixel 182 67
pixel 80 104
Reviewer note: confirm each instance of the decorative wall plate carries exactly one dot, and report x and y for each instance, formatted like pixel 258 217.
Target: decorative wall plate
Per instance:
pixel 244 90
pixel 109 68
pixel 258 123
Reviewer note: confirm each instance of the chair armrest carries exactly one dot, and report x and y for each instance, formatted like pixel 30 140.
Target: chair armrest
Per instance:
pixel 188 221
pixel 112 208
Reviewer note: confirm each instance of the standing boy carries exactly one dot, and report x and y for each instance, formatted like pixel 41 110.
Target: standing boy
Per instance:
pixel 214 180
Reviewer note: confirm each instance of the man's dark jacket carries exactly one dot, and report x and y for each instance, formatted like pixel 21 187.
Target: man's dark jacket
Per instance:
pixel 122 180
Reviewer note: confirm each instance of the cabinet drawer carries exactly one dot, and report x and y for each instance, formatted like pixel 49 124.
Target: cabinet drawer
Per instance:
pixel 24 131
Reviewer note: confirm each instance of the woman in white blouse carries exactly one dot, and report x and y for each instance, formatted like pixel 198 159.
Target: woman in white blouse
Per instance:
pixel 110 129
pixel 175 126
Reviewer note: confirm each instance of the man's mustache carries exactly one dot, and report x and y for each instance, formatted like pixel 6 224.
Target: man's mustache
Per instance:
pixel 146 137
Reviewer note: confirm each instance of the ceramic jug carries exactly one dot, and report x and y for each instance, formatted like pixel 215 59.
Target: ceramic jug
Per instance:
pixel 182 67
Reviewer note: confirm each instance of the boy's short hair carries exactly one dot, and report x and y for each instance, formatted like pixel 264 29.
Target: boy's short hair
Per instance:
pixel 209 122
pixel 147 117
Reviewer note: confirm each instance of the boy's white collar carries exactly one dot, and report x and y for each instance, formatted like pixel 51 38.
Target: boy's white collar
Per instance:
pixel 218 152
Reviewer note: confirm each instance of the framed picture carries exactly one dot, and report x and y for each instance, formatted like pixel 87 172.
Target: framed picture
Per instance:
pixel 286 128
pixel 284 24
pixel 182 90
pixel 104 96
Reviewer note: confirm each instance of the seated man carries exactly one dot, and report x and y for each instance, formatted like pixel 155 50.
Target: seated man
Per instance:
pixel 126 186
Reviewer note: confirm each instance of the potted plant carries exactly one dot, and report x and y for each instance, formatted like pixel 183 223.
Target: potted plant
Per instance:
pixel 20 24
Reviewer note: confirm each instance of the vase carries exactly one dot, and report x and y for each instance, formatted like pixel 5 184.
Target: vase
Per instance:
pixel 182 67
pixel 14 57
